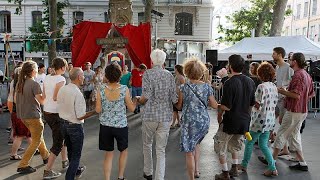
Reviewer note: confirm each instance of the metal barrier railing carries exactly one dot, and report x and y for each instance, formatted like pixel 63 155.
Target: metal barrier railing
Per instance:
pixel 314 103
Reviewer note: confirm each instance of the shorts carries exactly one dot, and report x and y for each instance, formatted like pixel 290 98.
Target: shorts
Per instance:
pixel 18 127
pixel 87 94
pixel 224 142
pixel 107 135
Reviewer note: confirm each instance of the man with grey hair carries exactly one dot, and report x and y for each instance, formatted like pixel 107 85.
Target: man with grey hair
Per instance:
pixel 72 111
pixel 158 96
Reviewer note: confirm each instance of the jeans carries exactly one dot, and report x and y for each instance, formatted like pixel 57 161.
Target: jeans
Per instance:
pixel 263 144
pixel 35 127
pixel 161 131
pixel 136 91
pixel 74 135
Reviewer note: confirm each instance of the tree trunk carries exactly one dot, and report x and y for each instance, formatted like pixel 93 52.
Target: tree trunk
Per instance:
pixel 53 28
pixel 278 17
pixel 262 20
pixel 147 11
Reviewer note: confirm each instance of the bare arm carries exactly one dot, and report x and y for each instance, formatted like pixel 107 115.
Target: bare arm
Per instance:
pixel 141 100
pixel 213 103
pixel 88 114
pixel 131 105
pixel 180 100
pixel 288 93
pixel 40 98
pixel 56 90
pixel 98 103
pixel 223 107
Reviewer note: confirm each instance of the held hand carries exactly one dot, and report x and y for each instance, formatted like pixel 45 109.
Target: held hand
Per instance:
pixel 281 90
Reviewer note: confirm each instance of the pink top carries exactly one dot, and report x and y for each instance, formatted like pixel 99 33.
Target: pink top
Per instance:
pixel 301 84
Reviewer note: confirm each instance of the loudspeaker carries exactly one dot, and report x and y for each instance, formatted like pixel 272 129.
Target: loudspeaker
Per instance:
pixel 212 57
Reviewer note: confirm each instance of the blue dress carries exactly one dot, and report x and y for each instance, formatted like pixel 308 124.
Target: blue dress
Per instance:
pixel 195 118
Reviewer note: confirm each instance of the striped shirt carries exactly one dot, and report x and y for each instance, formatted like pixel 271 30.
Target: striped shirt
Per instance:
pixel 301 84
pixel 159 88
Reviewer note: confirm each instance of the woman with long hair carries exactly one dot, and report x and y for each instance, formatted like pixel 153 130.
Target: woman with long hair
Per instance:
pixel 19 130
pixel 179 79
pixel 28 99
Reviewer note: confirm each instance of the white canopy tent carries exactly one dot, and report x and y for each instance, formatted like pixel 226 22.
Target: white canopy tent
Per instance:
pixel 261 48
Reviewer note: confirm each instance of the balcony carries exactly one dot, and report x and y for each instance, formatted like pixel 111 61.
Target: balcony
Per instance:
pixel 185 1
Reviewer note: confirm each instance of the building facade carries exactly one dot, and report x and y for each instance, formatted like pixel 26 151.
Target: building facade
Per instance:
pixel 181 27
pixel 304 20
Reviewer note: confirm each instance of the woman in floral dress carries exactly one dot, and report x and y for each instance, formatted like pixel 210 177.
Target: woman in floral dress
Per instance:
pixel 195 96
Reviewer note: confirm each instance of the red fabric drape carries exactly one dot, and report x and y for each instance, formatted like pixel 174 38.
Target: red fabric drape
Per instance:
pixel 139 46
pixel 84 47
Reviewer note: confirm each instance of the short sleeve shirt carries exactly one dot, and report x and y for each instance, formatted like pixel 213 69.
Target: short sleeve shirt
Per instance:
pixel 301 84
pixel 88 77
pixel 40 79
pixel 238 96
pixel 263 119
pixel 136 79
pixel 50 83
pixel 27 105
pixel 284 74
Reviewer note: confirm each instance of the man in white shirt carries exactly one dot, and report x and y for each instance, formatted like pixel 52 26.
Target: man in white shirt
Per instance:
pixel 72 109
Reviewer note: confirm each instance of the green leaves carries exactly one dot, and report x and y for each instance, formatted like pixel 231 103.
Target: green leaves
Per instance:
pixel 258 16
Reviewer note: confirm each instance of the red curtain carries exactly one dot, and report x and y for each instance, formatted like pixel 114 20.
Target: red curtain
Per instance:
pixel 85 49
pixel 139 46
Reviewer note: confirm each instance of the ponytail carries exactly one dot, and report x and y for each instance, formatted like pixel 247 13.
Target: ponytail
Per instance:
pixel 26 72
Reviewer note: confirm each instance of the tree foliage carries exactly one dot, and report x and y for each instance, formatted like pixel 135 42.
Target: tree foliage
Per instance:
pixel 258 17
pixel 37 43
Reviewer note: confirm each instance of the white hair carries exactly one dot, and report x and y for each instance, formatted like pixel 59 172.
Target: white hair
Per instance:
pixel 158 57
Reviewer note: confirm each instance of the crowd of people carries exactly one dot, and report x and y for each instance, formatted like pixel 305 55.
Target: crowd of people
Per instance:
pixel 68 95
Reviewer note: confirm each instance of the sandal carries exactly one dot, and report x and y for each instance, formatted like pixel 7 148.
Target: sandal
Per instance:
pixel 178 125
pixel 197 174
pixel 172 127
pixel 15 157
pixel 269 173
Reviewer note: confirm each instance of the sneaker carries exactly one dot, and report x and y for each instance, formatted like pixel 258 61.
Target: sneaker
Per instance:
pixel 50 174
pixel 10 142
pixel 223 176
pixel 26 170
pixel 234 171
pixel 65 164
pixel 80 171
pixel 8 130
pixel 300 167
pixel 37 152
pixel 147 177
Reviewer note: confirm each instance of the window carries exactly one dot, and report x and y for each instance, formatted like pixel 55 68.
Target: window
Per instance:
pixel 286 32
pixel 141 17
pixel 298 11
pixel 312 29
pixel 106 17
pixel 288 7
pixel 298 32
pixel 77 17
pixel 304 31
pixel 36 17
pixel 314 7
pixel 183 24
pixel 5 21
pixel 305 12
